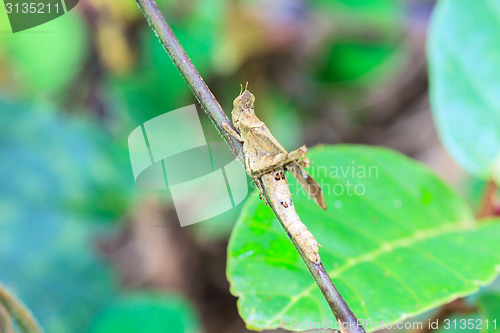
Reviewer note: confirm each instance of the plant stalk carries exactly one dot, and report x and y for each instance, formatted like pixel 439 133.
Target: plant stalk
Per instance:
pixel 347 321
pixel 14 308
pixel 213 109
pixel 185 66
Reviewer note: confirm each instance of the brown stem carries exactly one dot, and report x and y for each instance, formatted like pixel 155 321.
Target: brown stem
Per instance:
pixel 339 307
pixel 5 320
pixel 188 71
pixel 211 106
pixel 488 204
pixel 22 316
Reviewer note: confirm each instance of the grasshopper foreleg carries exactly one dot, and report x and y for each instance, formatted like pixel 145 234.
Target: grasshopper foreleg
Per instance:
pixel 232 132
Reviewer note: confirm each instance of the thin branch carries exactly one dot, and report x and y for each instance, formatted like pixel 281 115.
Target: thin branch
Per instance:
pixel 185 66
pixel 5 321
pixel 22 316
pixel 339 307
pixel 207 100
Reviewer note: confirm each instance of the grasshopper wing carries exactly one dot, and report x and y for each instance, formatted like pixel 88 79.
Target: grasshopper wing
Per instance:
pixel 266 140
pixel 308 183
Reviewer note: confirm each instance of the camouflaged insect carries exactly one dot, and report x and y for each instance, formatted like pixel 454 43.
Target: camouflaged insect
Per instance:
pixel 267 160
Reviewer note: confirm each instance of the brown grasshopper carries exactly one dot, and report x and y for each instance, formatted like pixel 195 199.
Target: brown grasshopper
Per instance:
pixel 266 159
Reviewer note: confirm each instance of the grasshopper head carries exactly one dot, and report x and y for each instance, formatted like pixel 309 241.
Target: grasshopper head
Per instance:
pixel 244 101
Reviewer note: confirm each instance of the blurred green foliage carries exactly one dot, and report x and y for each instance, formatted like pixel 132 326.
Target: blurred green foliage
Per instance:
pixel 350 56
pixel 489 306
pixel 44 60
pixel 465 82
pixel 147 313
pixel 59 182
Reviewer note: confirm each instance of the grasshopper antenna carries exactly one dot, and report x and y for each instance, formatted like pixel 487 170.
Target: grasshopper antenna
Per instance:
pixel 246 86
pixel 241 90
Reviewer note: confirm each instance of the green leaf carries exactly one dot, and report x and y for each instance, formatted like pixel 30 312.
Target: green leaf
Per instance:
pixel 464 62
pixel 148 313
pixel 395 240
pixel 489 304
pixel 47 58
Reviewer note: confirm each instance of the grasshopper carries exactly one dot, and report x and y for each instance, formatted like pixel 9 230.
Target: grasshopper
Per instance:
pixel 267 160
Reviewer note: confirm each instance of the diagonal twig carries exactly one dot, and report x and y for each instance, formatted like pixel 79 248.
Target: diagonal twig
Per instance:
pixel 188 71
pixel 157 21
pixel 11 307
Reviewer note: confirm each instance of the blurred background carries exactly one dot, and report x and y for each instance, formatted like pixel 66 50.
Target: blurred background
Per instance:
pixel 89 251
